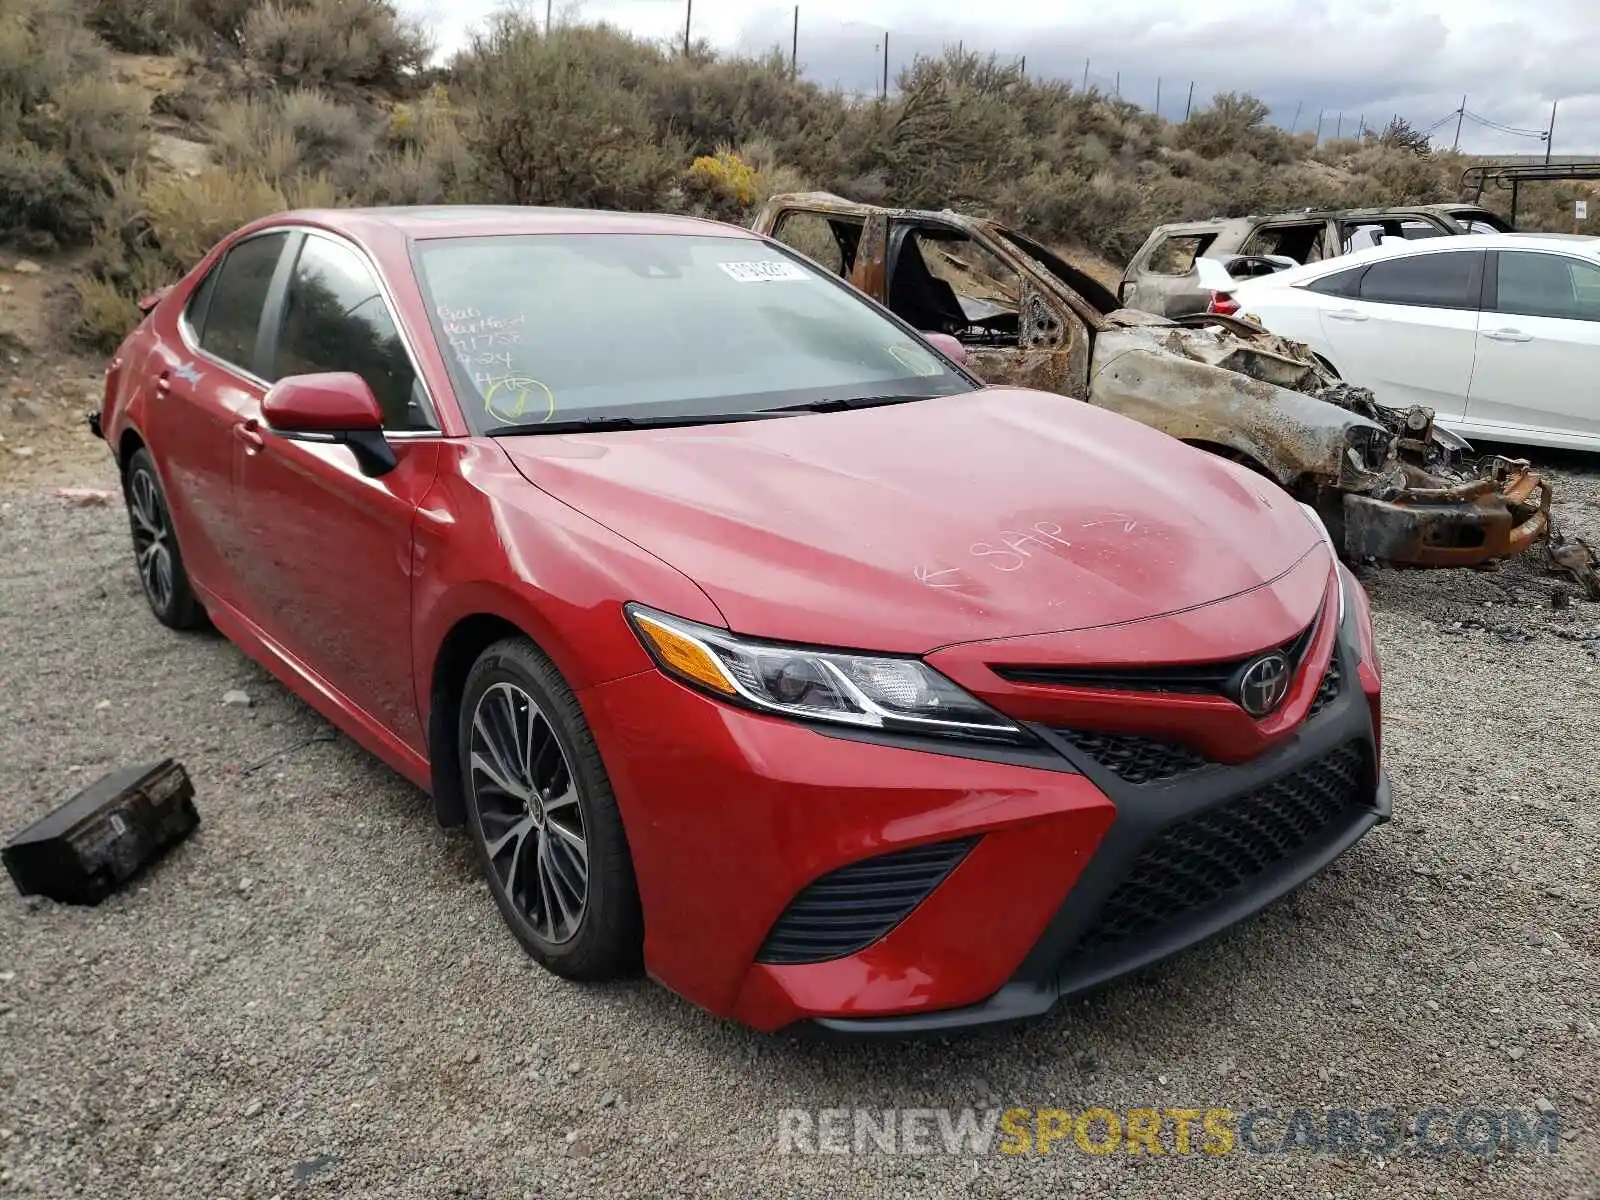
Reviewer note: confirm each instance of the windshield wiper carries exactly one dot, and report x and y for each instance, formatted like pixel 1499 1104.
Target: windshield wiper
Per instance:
pixel 843 403
pixel 659 421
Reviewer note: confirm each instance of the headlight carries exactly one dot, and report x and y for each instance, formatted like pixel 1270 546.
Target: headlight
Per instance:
pixel 1321 527
pixel 892 694
pixel 1369 448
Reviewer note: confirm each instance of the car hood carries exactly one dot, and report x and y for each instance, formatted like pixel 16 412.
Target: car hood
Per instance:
pixel 998 513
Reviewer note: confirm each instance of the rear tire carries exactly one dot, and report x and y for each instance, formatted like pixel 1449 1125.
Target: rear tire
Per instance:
pixel 155 547
pixel 539 803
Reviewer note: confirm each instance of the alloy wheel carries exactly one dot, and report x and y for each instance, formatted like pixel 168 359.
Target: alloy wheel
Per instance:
pixel 527 803
pixel 152 539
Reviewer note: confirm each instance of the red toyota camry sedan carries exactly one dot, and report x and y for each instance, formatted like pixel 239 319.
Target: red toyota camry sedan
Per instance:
pixel 749 635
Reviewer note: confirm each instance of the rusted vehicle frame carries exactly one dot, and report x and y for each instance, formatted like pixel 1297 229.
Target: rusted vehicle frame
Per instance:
pixel 1388 484
pixel 1230 238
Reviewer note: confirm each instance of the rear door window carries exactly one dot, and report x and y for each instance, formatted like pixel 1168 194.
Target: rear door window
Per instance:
pixel 1175 255
pixel 1444 280
pixel 225 312
pixel 1547 285
pixel 1340 283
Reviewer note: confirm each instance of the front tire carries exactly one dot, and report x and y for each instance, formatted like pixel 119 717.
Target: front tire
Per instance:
pixel 539 803
pixel 155 548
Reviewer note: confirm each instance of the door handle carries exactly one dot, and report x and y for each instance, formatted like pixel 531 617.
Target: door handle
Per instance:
pixel 1346 314
pixel 1509 335
pixel 248 432
pixel 164 385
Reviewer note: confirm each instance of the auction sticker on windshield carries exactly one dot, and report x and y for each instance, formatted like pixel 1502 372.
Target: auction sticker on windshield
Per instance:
pixel 762 272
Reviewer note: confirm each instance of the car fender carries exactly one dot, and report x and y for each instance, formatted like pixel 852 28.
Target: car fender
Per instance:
pixel 535 563
pixel 1289 434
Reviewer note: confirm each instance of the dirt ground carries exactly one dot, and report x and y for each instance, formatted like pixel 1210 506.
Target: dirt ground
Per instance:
pixel 315 996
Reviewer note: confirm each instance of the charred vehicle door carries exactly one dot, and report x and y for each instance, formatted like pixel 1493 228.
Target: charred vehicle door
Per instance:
pixel 941 278
pixel 1162 278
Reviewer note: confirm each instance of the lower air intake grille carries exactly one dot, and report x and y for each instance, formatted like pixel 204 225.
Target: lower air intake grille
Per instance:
pixel 1136 759
pixel 1328 691
pixel 1222 852
pixel 849 909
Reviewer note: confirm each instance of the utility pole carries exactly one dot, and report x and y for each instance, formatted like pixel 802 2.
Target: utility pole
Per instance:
pixel 1318 141
pixel 688 19
pixel 1461 114
pixel 1190 104
pixel 1118 85
pixel 1361 126
pixel 1338 130
pixel 1295 124
pixel 794 51
pixel 548 5
pixel 1158 95
pixel 1022 67
pixel 1085 86
pixel 1550 134
pixel 885 64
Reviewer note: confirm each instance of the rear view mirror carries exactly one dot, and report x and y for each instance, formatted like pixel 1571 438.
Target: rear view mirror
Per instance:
pixel 333 406
pixel 947 346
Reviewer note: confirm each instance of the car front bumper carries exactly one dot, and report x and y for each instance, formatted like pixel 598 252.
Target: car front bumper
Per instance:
pixel 1454 524
pixel 1073 876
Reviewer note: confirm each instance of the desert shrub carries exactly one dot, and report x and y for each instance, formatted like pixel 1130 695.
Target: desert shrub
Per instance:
pixel 95 125
pixel 163 26
pixel 424 159
pixel 364 43
pixel 43 45
pixel 550 122
pixel 730 184
pixel 1234 124
pixel 39 193
pixel 731 101
pixel 65 131
pixel 296 133
pixel 723 182
pixel 1097 210
pixel 140 26
pixel 100 315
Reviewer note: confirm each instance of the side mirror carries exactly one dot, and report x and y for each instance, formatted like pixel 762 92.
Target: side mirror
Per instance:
pixel 947 346
pixel 334 406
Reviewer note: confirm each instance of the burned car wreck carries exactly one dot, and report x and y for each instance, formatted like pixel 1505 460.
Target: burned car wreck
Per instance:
pixel 1388 484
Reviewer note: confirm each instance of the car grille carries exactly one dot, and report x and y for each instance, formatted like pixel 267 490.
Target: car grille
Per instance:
pixel 1201 679
pixel 1328 690
pixel 1136 759
pixel 849 909
pixel 1150 760
pixel 1220 853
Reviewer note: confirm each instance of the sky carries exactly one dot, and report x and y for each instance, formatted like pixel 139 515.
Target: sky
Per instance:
pixel 1349 60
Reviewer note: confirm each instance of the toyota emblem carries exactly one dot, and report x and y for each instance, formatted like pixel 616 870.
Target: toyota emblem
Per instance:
pixel 1263 684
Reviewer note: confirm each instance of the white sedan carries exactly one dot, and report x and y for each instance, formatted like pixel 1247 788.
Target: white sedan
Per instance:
pixel 1499 333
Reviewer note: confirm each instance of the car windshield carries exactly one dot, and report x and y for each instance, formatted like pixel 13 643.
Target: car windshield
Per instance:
pixel 572 327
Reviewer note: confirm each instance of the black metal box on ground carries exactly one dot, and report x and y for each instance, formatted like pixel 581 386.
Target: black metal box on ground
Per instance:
pixel 103 836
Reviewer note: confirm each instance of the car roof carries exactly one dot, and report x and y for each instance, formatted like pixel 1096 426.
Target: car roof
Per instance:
pixel 1566 243
pixel 419 222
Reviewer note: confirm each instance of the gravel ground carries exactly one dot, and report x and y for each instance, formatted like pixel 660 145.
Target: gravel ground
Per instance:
pixel 315 995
